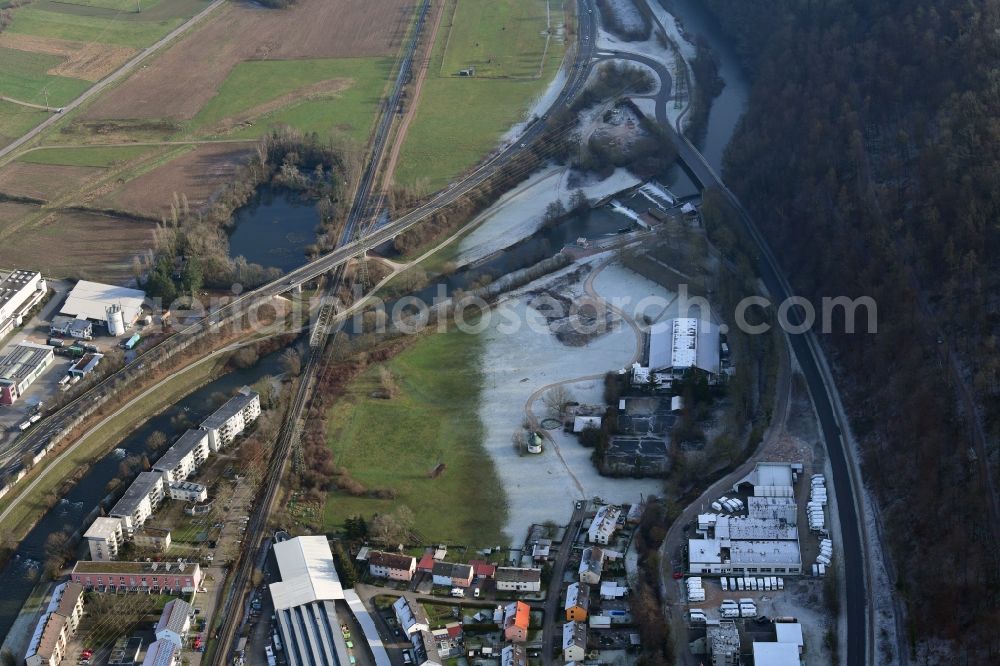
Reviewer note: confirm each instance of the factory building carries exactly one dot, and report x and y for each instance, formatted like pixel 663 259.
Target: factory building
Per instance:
pixel 231 419
pixel 304 603
pixel 19 292
pixel 678 347
pixel 20 367
pixel 186 455
pixel 114 308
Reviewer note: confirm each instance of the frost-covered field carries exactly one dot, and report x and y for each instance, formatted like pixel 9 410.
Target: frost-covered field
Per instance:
pixel 518 213
pixel 519 363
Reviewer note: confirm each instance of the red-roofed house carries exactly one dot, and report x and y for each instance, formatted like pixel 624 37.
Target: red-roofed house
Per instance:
pixel 426 563
pixel 516 618
pixel 482 568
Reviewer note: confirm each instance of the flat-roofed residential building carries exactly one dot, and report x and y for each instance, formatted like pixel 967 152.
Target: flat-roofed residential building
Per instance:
pixel 144 577
pixel 104 538
pixel 174 622
pixel 393 566
pixel 20 367
pixel 604 524
pixel 232 418
pixel 47 646
pixel 183 457
pixel 304 603
pixel 19 292
pixel 161 653
pixel 187 491
pixel 518 579
pixel 139 501
pixel 152 538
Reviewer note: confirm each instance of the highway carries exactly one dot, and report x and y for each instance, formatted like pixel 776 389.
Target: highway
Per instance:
pixel 812 363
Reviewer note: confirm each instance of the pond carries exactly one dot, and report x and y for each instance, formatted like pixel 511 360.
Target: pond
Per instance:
pixel 274 228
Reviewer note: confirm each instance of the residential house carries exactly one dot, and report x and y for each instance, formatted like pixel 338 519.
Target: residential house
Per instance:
pixel 104 538
pixel 603 527
pixel 516 618
pixel 393 566
pixel 577 602
pixel 231 419
pixel 574 642
pixel 57 625
pixel 187 491
pixel 152 538
pixel 161 653
pixel 518 579
pixel 541 550
pixel 591 565
pixel 412 618
pixel 482 568
pixel 513 655
pixel 426 563
pixel 451 574
pixel 174 622
pixel 155 577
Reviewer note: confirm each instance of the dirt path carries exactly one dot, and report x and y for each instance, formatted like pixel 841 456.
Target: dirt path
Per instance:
pixel 411 111
pixel 529 409
pixel 27 104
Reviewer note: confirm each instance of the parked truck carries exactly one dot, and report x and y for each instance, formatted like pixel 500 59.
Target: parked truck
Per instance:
pixel 131 342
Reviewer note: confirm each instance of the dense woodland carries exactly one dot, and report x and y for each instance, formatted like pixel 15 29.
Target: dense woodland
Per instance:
pixel 870 155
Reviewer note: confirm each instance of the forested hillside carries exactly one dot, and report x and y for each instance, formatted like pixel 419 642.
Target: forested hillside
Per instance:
pixel 870 155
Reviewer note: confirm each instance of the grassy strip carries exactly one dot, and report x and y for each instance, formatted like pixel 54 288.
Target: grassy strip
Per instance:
pixel 15 120
pixel 23 516
pixel 396 443
pixel 78 27
pixel 460 119
pixel 85 156
pixel 24 77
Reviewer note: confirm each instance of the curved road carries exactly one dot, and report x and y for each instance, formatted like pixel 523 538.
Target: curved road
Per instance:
pixel 833 422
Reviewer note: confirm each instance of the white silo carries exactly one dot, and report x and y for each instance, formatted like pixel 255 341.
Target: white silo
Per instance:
pixel 116 320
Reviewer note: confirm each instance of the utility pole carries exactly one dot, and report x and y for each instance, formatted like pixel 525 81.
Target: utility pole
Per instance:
pixel 45 91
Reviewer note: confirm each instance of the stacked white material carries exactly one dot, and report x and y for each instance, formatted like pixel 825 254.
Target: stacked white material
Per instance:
pixel 748 608
pixel 698 616
pixel 817 500
pixel 729 609
pixel 695 590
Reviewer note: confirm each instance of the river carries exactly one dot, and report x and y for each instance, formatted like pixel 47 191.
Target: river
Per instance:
pixel 729 106
pixel 75 511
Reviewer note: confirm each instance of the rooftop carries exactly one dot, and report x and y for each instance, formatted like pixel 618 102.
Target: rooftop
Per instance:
pixel 69 598
pixel 103 527
pixel 187 485
pixel 175 617
pixel 233 406
pixel 775 654
pixel 574 633
pixel 518 575
pixel 13 283
pixel 789 632
pixel 175 568
pixel 139 490
pixel 90 300
pixel 452 570
pixel 684 342
pixel 377 558
pixel 179 450
pixel 160 653
pixel 764 552
pixel 749 529
pixel 23 360
pixel 307 572
pixel 143 485
pixel 578 594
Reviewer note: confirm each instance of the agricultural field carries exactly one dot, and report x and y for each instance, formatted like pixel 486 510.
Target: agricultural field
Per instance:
pixel 516 47
pixel 24 77
pixel 312 95
pixel 88 156
pixel 397 443
pixel 89 246
pixel 42 182
pixel 15 120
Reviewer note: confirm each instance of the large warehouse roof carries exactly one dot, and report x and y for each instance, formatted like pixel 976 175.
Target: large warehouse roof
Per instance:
pixel 89 300
pixel 307 572
pixel 684 343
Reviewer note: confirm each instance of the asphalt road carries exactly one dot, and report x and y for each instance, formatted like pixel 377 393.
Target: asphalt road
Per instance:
pixel 552 620
pixel 110 79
